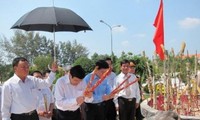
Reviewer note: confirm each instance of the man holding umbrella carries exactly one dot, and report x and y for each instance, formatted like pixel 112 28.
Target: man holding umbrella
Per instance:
pixel 18 92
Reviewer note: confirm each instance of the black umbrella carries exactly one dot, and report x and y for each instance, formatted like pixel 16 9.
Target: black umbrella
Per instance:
pixel 51 19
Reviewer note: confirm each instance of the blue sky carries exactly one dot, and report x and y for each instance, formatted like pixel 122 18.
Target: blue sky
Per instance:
pixel 136 17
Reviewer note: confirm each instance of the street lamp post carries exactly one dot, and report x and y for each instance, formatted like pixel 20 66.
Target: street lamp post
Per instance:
pixel 111 37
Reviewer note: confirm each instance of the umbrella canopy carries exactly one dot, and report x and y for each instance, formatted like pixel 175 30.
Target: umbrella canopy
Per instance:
pixel 51 19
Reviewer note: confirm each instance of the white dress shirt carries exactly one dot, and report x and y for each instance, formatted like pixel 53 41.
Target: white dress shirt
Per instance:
pixel 111 79
pixel 42 93
pixel 132 91
pixel 66 94
pixel 19 97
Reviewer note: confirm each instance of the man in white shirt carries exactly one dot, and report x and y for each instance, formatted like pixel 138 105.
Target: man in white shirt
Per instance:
pixel 128 98
pixel 69 94
pixel 45 100
pixel 18 92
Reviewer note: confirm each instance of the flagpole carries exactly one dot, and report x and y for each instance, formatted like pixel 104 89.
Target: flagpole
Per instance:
pixel 159 33
pixel 158 40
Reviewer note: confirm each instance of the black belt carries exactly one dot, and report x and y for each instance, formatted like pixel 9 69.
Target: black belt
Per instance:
pixel 96 104
pixel 127 99
pixel 27 114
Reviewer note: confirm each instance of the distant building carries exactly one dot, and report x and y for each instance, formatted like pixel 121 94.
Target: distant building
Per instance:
pixel 192 55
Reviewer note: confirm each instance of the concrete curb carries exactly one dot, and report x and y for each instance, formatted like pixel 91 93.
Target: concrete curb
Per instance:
pixel 148 111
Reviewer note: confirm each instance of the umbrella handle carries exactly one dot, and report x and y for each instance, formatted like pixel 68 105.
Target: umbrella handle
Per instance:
pixel 49 67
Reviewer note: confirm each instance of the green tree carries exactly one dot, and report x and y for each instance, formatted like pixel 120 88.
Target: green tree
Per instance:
pixel 41 63
pixel 1 53
pixel 69 52
pixel 95 57
pixel 86 63
pixel 6 71
pixel 28 45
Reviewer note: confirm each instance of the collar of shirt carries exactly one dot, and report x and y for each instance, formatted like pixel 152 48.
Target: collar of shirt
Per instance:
pixel 65 79
pixel 16 79
pixel 122 75
pixel 111 76
pixel 96 77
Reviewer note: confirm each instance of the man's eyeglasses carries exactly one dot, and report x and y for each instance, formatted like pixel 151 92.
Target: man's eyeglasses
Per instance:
pixel 133 67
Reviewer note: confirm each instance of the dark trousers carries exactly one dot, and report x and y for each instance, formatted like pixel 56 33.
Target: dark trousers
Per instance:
pixel 25 116
pixel 68 115
pixel 126 108
pixel 138 114
pixel 93 111
pixel 110 110
pixel 54 114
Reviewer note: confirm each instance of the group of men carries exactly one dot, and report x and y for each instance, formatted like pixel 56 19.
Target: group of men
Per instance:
pixel 75 96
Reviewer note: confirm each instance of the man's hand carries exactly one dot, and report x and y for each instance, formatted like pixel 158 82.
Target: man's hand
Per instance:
pixel 49 114
pixel 54 67
pixel 41 113
pixel 88 94
pixel 106 97
pixel 80 100
pixel 112 96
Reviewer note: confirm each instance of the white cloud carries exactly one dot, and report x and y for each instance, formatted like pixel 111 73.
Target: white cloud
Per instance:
pixel 125 43
pixel 119 29
pixel 189 22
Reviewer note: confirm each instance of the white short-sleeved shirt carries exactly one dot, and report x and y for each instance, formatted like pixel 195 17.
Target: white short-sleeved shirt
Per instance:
pixel 19 97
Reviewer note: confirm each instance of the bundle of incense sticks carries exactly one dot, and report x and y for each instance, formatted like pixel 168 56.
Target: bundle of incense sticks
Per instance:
pixel 118 89
pixel 92 88
pixel 114 91
pixel 101 79
pixel 45 102
pixel 91 79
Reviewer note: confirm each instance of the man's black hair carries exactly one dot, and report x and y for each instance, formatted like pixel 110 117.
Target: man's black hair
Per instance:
pixel 77 71
pixel 17 59
pixel 46 71
pixel 124 62
pixel 102 64
pixel 36 71
pixel 108 59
